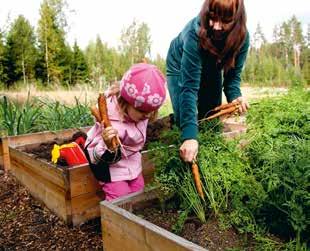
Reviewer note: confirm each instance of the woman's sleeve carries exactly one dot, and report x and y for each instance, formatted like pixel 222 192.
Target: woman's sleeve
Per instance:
pixel 190 84
pixel 232 78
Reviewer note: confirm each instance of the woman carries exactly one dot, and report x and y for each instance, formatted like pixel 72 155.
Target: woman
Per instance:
pixel 206 57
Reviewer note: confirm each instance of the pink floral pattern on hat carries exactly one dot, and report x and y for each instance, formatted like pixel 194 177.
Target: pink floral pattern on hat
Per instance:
pixel 139 101
pixel 131 90
pixel 144 87
pixel 154 100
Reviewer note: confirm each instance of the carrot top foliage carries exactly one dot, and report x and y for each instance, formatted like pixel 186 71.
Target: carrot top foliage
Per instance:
pixel 260 187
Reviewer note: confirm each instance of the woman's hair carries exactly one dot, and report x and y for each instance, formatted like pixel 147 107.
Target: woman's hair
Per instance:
pixel 123 106
pixel 232 14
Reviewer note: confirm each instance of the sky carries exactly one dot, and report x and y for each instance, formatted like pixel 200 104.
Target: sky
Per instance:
pixel 165 18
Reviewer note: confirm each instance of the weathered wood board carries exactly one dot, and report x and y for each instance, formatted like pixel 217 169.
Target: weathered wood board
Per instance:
pixel 122 230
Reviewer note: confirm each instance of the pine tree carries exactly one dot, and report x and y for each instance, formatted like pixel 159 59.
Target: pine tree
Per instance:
pixel 136 42
pixel 2 49
pixel 259 37
pixel 79 65
pixel 297 40
pixel 20 51
pixel 51 35
pixel 305 57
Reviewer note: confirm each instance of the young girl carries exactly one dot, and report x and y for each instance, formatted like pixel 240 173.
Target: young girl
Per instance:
pixel 142 92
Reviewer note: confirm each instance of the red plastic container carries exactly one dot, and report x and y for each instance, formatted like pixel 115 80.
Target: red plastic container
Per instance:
pixel 73 155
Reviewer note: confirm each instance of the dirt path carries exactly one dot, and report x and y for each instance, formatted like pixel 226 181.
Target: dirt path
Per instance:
pixel 26 224
pixel 89 95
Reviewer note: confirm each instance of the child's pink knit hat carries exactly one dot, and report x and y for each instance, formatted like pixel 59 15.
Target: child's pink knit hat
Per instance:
pixel 144 87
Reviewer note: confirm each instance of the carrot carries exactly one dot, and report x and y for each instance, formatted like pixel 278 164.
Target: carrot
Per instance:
pixel 103 111
pixel 95 112
pixel 223 112
pixel 225 106
pixel 196 176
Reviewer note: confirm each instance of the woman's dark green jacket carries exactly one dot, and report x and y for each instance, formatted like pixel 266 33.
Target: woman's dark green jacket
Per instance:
pixel 196 81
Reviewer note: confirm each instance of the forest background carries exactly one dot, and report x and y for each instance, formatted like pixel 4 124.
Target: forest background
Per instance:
pixel 41 55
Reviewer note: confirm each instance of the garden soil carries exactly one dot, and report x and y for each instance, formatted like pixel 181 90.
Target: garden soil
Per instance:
pixel 26 224
pixel 209 235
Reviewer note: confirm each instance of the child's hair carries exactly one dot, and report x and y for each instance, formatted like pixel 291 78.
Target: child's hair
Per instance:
pixel 123 106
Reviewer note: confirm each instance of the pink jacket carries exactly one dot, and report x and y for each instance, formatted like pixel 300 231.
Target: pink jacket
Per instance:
pixel 132 136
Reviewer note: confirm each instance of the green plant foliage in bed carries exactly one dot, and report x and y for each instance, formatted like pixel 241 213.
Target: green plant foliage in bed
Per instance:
pixel 261 186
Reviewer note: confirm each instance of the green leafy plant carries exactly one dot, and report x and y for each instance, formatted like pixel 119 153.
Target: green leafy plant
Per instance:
pixel 278 153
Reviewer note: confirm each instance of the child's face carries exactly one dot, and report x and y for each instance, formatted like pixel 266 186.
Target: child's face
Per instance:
pixel 137 115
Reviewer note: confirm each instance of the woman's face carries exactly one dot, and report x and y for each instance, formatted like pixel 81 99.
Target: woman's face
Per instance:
pixel 216 25
pixel 137 115
pixel 219 28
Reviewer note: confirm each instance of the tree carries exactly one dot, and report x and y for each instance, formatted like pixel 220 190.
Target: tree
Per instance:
pixel 20 50
pixel 2 48
pixel 160 63
pixel 51 36
pixel 259 37
pixel 104 63
pixel 297 40
pixel 305 57
pixel 79 65
pixel 291 41
pixel 136 42
pixel 93 57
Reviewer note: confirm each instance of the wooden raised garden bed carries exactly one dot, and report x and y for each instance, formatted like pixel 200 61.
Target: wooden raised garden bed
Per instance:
pixel 122 230
pixel 71 193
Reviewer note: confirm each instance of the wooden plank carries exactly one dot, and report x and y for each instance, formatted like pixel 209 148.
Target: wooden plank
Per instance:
pixel 148 168
pixel 4 152
pixel 123 230
pixel 82 181
pixel 128 201
pixel 53 196
pixel 234 134
pixel 115 238
pixel 43 169
pixel 85 207
pixel 41 137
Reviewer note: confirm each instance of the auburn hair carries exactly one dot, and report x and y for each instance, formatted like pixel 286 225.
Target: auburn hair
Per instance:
pixel 226 11
pixel 123 106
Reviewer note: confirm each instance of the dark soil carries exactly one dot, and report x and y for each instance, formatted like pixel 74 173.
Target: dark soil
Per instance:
pixel 208 235
pixel 26 224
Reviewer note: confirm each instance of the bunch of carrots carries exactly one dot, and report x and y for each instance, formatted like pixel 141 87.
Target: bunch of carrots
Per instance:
pixel 101 115
pixel 227 110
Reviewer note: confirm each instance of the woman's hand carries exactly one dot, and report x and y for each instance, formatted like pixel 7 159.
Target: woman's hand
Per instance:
pixel 107 135
pixel 189 150
pixel 244 105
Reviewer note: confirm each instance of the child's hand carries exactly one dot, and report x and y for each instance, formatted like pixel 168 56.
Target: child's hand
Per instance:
pixel 113 89
pixel 107 135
